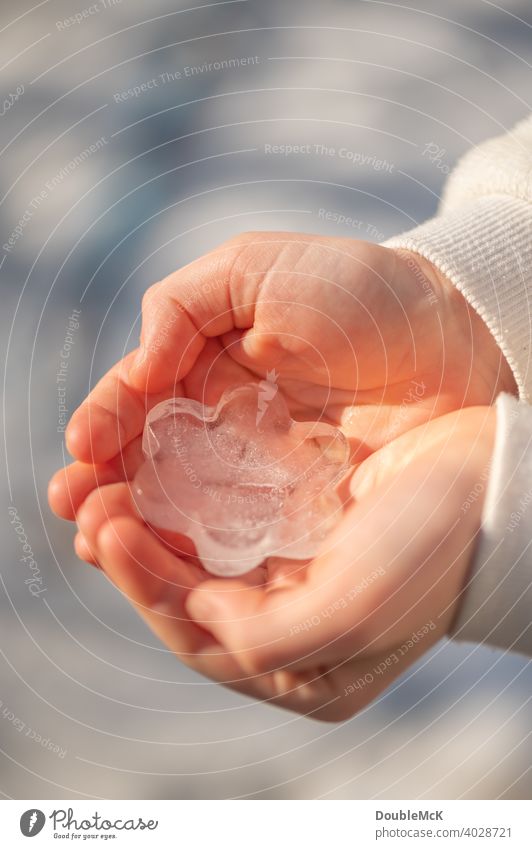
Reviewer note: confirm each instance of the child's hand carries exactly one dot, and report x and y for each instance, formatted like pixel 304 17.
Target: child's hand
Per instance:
pixel 366 338
pixel 344 322
pixel 322 639
pixel 330 637
pixel 358 339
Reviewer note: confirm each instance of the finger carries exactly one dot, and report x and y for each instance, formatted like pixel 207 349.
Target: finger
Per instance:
pixel 354 684
pixel 153 580
pixel 261 352
pixel 213 372
pixel 70 486
pixel 111 416
pixel 210 297
pixel 156 586
pixel 157 583
pixel 334 694
pixel 329 694
pixel 180 313
pixel 83 550
pixel 115 500
pixel 399 452
pixel 101 505
pixel 107 505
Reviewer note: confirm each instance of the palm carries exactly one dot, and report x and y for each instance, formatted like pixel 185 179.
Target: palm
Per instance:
pixel 159 579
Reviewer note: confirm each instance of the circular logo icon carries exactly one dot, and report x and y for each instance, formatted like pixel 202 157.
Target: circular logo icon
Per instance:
pixel 32 822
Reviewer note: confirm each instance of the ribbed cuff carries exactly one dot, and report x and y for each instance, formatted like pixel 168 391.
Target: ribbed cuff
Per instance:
pixel 497 600
pixel 485 249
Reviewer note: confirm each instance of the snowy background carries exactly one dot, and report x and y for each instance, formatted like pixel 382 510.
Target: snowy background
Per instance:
pixel 175 170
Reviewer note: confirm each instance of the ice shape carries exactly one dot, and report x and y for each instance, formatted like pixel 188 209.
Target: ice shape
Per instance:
pixel 242 479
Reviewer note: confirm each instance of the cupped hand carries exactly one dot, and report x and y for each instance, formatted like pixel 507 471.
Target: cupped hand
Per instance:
pixel 324 638
pixel 373 340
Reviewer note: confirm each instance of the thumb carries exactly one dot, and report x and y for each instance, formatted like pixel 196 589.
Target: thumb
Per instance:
pixel 183 310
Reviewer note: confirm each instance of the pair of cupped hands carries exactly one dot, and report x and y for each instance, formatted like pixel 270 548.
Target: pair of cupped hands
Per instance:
pixel 375 341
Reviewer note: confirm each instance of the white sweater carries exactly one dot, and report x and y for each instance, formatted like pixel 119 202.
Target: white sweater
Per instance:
pixel 481 240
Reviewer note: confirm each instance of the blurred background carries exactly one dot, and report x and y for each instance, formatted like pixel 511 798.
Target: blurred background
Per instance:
pixel 134 137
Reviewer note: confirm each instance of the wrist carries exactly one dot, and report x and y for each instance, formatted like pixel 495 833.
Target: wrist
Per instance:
pixel 472 352
pixel 483 246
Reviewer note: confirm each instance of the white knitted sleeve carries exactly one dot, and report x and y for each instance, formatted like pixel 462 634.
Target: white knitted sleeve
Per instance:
pixel 497 600
pixel 481 239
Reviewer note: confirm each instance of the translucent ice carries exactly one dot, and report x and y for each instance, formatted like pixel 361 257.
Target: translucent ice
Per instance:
pixel 242 479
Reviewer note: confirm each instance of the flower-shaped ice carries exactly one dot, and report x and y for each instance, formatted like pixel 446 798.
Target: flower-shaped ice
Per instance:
pixel 242 479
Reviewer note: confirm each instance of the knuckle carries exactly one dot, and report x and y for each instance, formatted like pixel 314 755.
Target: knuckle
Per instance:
pixel 151 295
pixel 94 505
